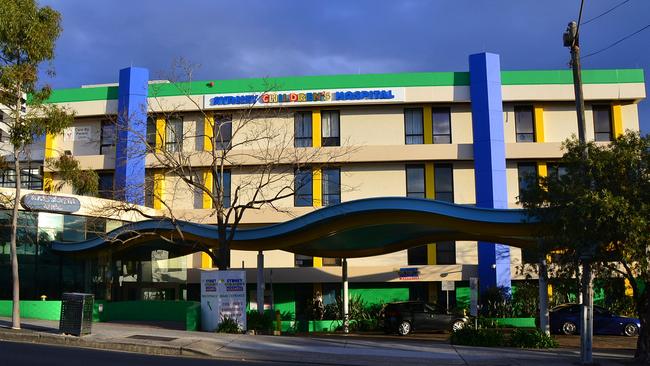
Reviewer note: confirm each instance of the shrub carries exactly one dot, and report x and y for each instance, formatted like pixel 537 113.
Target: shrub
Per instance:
pixel 228 325
pixel 531 338
pixel 478 337
pixel 260 322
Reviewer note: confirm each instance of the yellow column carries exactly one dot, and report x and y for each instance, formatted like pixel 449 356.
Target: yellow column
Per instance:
pixel 628 288
pixel 539 124
pixel 428 125
pixel 542 169
pixel 317 196
pixel 208 132
pixel 161 132
pixel 617 117
pixel 206 260
pixel 158 188
pixel 48 178
pixel 429 191
pixel 208 182
pixel 316 128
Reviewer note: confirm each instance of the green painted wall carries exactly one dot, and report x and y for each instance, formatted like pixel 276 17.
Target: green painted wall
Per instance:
pixel 187 312
pixel 462 297
pixel 46 310
pixel 372 296
pixel 284 297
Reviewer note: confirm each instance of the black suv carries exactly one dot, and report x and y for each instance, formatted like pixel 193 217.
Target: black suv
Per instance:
pixel 408 316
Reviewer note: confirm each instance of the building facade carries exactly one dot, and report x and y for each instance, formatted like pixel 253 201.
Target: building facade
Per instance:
pixel 469 138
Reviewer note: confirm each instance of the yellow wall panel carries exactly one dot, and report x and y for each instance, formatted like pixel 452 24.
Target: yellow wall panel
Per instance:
pixel 158 189
pixel 316 127
pixel 539 124
pixel 617 117
pixel 317 189
pixel 208 132
pixel 161 131
pixel 428 125
pixel 208 183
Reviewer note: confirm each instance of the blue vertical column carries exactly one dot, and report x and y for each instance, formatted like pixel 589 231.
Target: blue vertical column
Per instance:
pixel 131 132
pixel 489 161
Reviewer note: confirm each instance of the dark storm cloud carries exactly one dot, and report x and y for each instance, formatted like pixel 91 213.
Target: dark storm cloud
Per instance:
pixel 236 39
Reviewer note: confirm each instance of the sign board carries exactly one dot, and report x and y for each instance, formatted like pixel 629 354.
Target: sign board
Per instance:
pixel 303 98
pixel 473 296
pixel 77 133
pixel 448 285
pixel 409 273
pixel 50 203
pixel 223 295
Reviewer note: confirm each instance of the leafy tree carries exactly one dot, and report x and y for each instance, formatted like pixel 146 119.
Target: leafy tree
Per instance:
pixel 27 36
pixel 597 204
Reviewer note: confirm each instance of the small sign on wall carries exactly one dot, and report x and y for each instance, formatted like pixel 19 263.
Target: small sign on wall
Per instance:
pixel 77 133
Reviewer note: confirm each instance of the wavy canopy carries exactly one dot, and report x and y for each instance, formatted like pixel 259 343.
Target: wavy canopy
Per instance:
pixel 360 228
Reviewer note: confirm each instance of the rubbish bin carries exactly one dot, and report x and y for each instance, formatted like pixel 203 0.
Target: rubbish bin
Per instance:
pixel 76 313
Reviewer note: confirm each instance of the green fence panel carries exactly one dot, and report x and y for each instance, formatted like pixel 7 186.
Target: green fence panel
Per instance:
pixel 462 297
pixel 514 322
pixel 176 311
pixel 378 295
pixel 33 309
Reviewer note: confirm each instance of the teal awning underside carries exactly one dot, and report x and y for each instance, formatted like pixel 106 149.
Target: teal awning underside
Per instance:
pixel 351 229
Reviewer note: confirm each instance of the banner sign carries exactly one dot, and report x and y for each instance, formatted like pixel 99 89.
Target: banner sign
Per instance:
pixel 303 97
pixel 50 203
pixel 448 285
pixel 223 295
pixel 473 296
pixel 409 273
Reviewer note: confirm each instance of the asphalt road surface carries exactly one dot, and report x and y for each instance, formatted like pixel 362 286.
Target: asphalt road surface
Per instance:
pixel 18 354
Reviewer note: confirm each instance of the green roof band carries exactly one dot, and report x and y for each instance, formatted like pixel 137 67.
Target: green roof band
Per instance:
pixel 537 77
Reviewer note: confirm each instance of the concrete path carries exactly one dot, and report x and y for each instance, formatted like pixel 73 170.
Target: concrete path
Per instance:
pixel 325 350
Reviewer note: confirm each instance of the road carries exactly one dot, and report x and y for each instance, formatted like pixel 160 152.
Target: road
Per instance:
pixel 19 354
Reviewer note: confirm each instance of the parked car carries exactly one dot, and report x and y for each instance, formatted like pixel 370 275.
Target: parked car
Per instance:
pixel 409 316
pixel 565 319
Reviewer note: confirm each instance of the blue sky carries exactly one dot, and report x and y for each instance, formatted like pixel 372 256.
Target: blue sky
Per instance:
pixel 240 39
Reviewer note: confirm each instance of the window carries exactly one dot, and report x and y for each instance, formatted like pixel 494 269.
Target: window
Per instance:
pixel 148 188
pixel 331 262
pixel 602 123
pixel 303 261
pixel 174 134
pixel 74 228
pixel 443 182
pixel 446 252
pixel 108 137
pixel 30 177
pixel 413 126
pixel 557 171
pixel 331 186
pixel 441 118
pixel 330 123
pixel 151 132
pixel 222 131
pixel 226 181
pixel 525 124
pixel 105 189
pixel 415 181
pixel 302 129
pixel 417 255
pixel 303 190
pixel 527 174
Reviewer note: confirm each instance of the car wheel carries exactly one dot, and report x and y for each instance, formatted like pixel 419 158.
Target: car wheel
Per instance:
pixel 631 330
pixel 404 328
pixel 457 325
pixel 569 328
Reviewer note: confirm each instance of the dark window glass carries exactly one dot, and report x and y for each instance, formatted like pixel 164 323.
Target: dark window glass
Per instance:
pixel 446 252
pixel 151 132
pixel 331 184
pixel 226 186
pixel 148 188
pixel 304 261
pixel 330 126
pixel 108 137
pixel 302 129
pixel 30 177
pixel 331 262
pixel 106 185
pixel 413 126
pixel 602 123
pixel 527 174
pixel 525 124
pixel 303 189
pixel 441 118
pixel 222 131
pixel 174 134
pixel 417 255
pixel 557 171
pixel 415 181
pixel 95 227
pixel 74 228
pixel 443 182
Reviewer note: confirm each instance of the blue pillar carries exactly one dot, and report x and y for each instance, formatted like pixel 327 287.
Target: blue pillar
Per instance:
pixel 489 161
pixel 131 132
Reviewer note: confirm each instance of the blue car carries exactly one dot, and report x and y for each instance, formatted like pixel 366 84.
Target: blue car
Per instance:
pixel 565 319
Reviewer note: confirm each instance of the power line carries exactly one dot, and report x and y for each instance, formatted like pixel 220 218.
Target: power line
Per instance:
pixel 606 12
pixel 617 42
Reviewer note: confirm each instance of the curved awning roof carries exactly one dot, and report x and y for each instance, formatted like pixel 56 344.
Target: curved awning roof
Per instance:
pixel 351 229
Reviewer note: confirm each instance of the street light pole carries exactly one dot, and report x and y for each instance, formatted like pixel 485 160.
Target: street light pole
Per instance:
pixel 571 40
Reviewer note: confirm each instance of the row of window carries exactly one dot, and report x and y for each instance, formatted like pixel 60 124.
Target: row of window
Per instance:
pixel 30 178
pixel 330 128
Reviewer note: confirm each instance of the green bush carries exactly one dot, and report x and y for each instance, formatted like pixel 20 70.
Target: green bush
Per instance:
pixel 481 337
pixel 260 322
pixel 531 338
pixel 228 325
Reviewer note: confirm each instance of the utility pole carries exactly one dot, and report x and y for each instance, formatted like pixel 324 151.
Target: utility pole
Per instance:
pixel 571 40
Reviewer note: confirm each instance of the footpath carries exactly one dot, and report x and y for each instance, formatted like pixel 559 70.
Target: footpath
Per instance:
pixel 320 350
